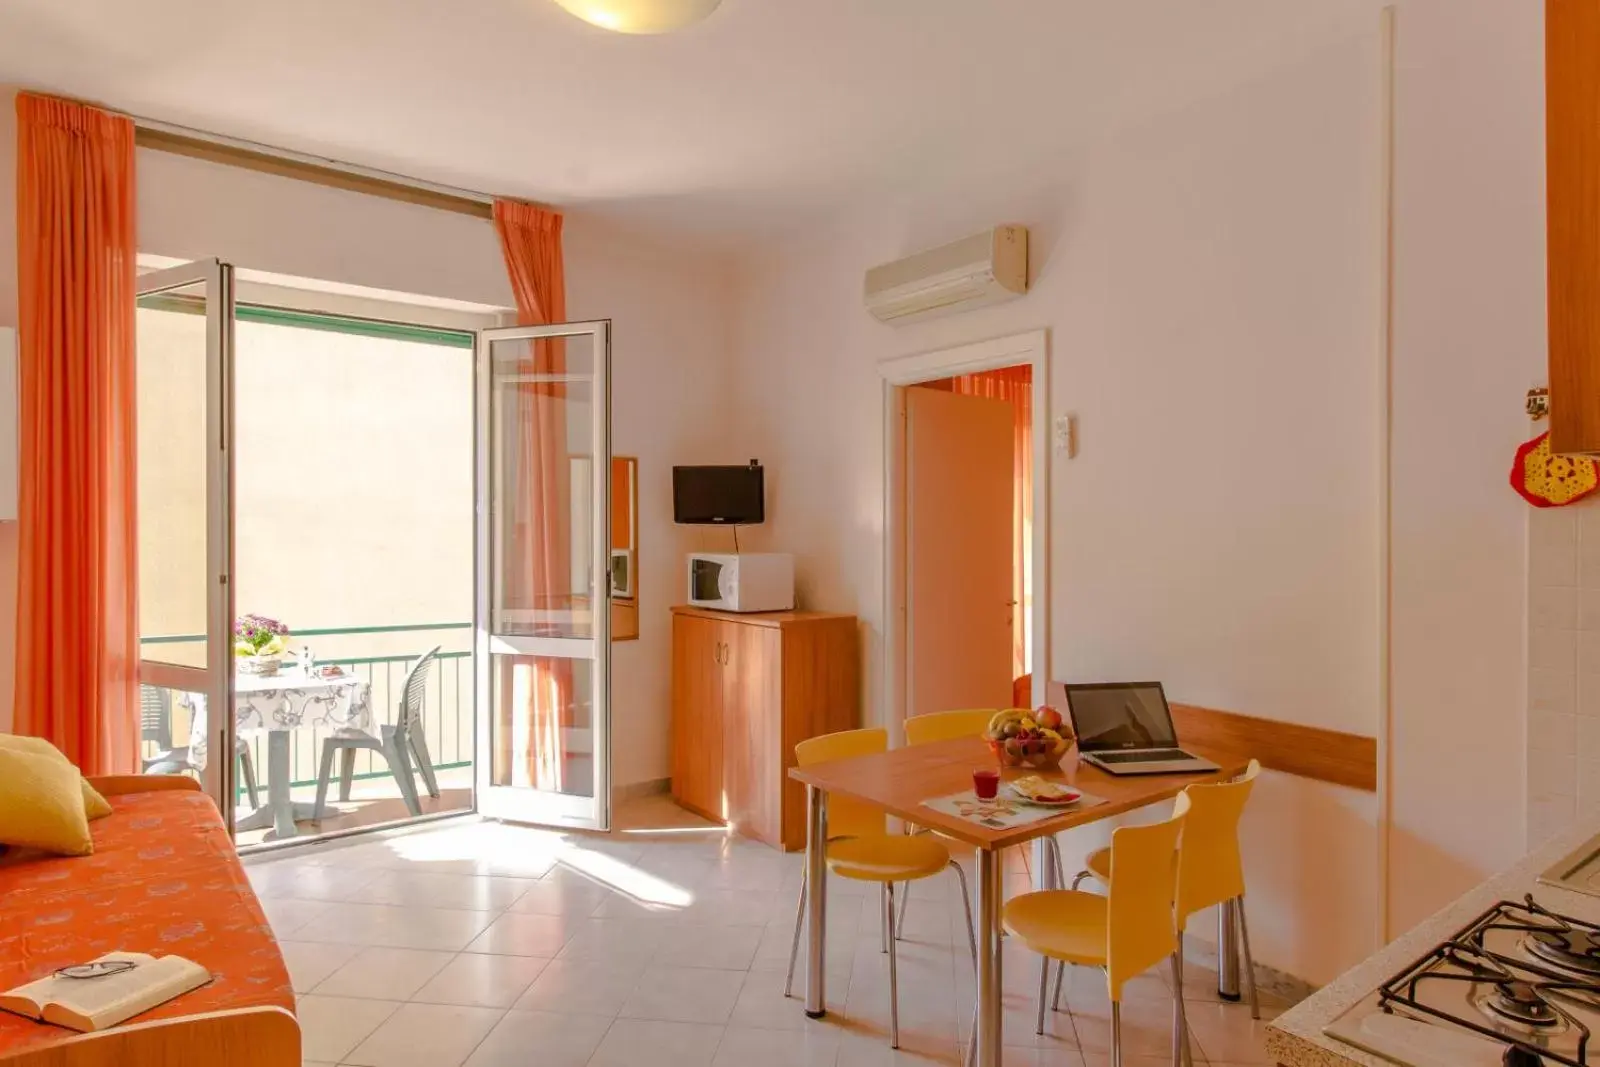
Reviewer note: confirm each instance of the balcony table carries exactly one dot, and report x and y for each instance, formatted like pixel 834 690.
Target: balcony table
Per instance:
pixel 898 781
pixel 280 704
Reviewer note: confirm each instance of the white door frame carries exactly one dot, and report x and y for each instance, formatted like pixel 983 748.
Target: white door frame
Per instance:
pixel 1031 348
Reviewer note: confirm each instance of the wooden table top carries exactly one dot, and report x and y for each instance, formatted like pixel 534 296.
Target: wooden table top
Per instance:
pixel 901 779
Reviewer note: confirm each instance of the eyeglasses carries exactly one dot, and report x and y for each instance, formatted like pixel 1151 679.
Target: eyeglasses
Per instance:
pixel 98 969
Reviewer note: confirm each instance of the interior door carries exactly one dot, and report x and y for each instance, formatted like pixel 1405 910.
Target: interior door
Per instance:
pixel 543 606
pixel 183 364
pixel 958 551
pixel 697 715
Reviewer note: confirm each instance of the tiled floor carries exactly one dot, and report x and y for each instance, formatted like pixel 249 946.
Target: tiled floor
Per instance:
pixel 489 945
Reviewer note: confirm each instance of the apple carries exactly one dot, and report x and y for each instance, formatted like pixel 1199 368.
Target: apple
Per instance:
pixel 1048 717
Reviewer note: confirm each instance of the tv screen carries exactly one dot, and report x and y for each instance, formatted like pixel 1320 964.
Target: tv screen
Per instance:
pixel 724 496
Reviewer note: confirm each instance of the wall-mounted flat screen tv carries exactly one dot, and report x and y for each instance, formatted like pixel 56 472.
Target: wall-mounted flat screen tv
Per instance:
pixel 720 496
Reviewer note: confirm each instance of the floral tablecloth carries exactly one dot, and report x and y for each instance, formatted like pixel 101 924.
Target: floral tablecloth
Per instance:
pixel 287 701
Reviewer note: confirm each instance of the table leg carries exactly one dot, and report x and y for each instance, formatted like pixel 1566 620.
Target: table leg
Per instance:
pixel 816 902
pixel 991 890
pixel 281 811
pixel 1227 952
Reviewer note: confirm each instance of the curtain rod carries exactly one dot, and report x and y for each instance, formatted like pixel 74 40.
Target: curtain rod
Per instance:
pixel 320 170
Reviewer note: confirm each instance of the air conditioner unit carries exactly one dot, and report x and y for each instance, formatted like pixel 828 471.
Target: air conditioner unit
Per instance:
pixel 977 271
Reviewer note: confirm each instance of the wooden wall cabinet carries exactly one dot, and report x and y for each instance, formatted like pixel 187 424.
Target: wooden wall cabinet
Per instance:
pixel 745 690
pixel 1572 175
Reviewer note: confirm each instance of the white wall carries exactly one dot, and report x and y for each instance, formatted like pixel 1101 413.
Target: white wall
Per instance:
pixel 1469 340
pixel 1209 282
pixel 669 348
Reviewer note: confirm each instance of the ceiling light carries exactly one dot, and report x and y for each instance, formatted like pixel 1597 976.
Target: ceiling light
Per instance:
pixel 641 16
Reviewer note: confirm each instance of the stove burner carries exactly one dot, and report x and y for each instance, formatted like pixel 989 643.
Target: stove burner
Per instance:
pixel 1574 950
pixel 1520 1002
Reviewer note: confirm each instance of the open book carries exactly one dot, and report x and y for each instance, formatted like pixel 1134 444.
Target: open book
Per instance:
pixel 96 1003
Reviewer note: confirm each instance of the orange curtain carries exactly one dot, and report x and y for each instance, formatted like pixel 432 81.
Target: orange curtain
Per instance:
pixel 77 599
pixel 1015 386
pixel 538 692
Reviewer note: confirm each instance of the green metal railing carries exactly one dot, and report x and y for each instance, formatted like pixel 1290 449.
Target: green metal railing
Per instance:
pixel 447 717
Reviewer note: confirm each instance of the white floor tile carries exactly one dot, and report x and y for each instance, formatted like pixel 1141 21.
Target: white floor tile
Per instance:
pixel 613 941
pixel 744 1046
pixel 515 934
pixel 309 962
pixel 395 927
pixel 571 895
pixel 762 1005
pixel 426 1035
pixel 1225 1032
pixel 287 916
pixel 385 973
pixel 430 890
pixel 306 881
pixel 631 1042
pixel 730 948
pixel 480 980
pixel 582 987
pixel 332 1026
pixel 522 1038
pixel 684 995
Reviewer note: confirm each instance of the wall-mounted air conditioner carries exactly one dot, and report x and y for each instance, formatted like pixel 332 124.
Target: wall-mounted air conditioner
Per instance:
pixel 974 272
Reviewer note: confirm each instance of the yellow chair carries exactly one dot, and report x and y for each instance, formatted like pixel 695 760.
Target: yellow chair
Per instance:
pixel 1210 869
pixel 860 847
pixel 947 725
pixel 1125 932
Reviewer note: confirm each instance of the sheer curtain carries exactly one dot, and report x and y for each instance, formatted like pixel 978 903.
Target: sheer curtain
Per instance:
pixel 77 667
pixel 1015 386
pixel 537 691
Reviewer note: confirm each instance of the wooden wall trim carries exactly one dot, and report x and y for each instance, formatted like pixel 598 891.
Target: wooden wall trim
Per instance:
pixel 1307 751
pixel 285 167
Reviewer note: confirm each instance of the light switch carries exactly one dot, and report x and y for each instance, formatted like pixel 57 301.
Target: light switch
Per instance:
pixel 1066 436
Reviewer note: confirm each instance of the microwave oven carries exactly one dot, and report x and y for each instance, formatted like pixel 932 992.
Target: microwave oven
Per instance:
pixel 752 581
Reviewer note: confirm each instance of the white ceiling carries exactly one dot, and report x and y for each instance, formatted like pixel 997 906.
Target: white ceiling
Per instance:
pixel 767 114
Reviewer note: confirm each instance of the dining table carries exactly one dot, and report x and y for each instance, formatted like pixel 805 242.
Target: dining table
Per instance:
pixel 901 781
pixel 279 704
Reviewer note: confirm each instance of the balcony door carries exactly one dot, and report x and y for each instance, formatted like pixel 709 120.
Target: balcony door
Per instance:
pixel 184 360
pixel 543 604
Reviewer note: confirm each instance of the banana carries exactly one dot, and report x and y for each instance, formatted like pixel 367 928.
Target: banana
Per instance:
pixel 1000 719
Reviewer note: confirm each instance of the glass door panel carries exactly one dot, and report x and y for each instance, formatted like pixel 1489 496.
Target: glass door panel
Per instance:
pixel 183 340
pixel 544 574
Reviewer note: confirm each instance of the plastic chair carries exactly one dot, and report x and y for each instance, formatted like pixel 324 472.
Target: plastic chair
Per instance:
pixel 1210 868
pixel 947 725
pixel 860 847
pixel 398 743
pixel 1125 932
pixel 155 724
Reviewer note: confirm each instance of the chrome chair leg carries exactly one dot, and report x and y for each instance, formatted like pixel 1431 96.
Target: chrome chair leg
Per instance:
pixel 1181 1054
pixel 1044 980
pixel 966 906
pixel 894 976
pixel 1078 878
pixel 905 902
pixel 1249 961
pixel 794 947
pixel 884 919
pixel 1116 1034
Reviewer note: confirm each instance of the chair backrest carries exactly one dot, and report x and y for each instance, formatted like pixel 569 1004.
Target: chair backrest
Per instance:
pixel 946 725
pixel 155 716
pixel 410 715
pixel 1140 931
pixel 1210 869
pixel 846 817
pixel 1022 690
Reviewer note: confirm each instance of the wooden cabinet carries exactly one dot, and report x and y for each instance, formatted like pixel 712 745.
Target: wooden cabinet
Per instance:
pixel 745 690
pixel 1572 176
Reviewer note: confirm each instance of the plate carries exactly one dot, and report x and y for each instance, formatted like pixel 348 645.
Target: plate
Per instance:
pixel 1071 798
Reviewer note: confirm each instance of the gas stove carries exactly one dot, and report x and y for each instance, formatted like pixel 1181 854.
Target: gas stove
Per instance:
pixel 1519 986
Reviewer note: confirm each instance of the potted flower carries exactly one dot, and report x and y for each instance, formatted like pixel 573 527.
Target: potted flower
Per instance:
pixel 259 642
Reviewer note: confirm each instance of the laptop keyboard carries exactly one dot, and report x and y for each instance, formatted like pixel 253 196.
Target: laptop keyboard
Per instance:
pixel 1148 755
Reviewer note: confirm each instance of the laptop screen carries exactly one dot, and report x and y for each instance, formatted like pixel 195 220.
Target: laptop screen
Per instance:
pixel 1120 715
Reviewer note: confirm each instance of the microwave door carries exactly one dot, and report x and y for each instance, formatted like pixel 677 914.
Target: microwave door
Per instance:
pixel 705 581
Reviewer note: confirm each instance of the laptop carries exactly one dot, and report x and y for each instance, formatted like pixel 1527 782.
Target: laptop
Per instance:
pixel 1126 728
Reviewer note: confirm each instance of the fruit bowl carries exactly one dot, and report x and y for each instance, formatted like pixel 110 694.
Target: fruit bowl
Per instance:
pixel 1034 739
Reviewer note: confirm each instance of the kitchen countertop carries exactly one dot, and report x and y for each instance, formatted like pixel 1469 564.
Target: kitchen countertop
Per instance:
pixel 1296 1039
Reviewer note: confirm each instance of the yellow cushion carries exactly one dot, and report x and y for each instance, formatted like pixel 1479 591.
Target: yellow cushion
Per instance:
pixel 887 857
pixel 95 806
pixel 1060 923
pixel 41 804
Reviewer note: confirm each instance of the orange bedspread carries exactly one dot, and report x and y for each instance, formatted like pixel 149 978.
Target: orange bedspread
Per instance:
pixel 163 879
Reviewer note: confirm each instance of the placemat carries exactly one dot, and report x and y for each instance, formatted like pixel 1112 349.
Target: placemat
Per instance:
pixel 1003 812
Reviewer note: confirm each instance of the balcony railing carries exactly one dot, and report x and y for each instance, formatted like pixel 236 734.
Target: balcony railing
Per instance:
pixel 382 655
